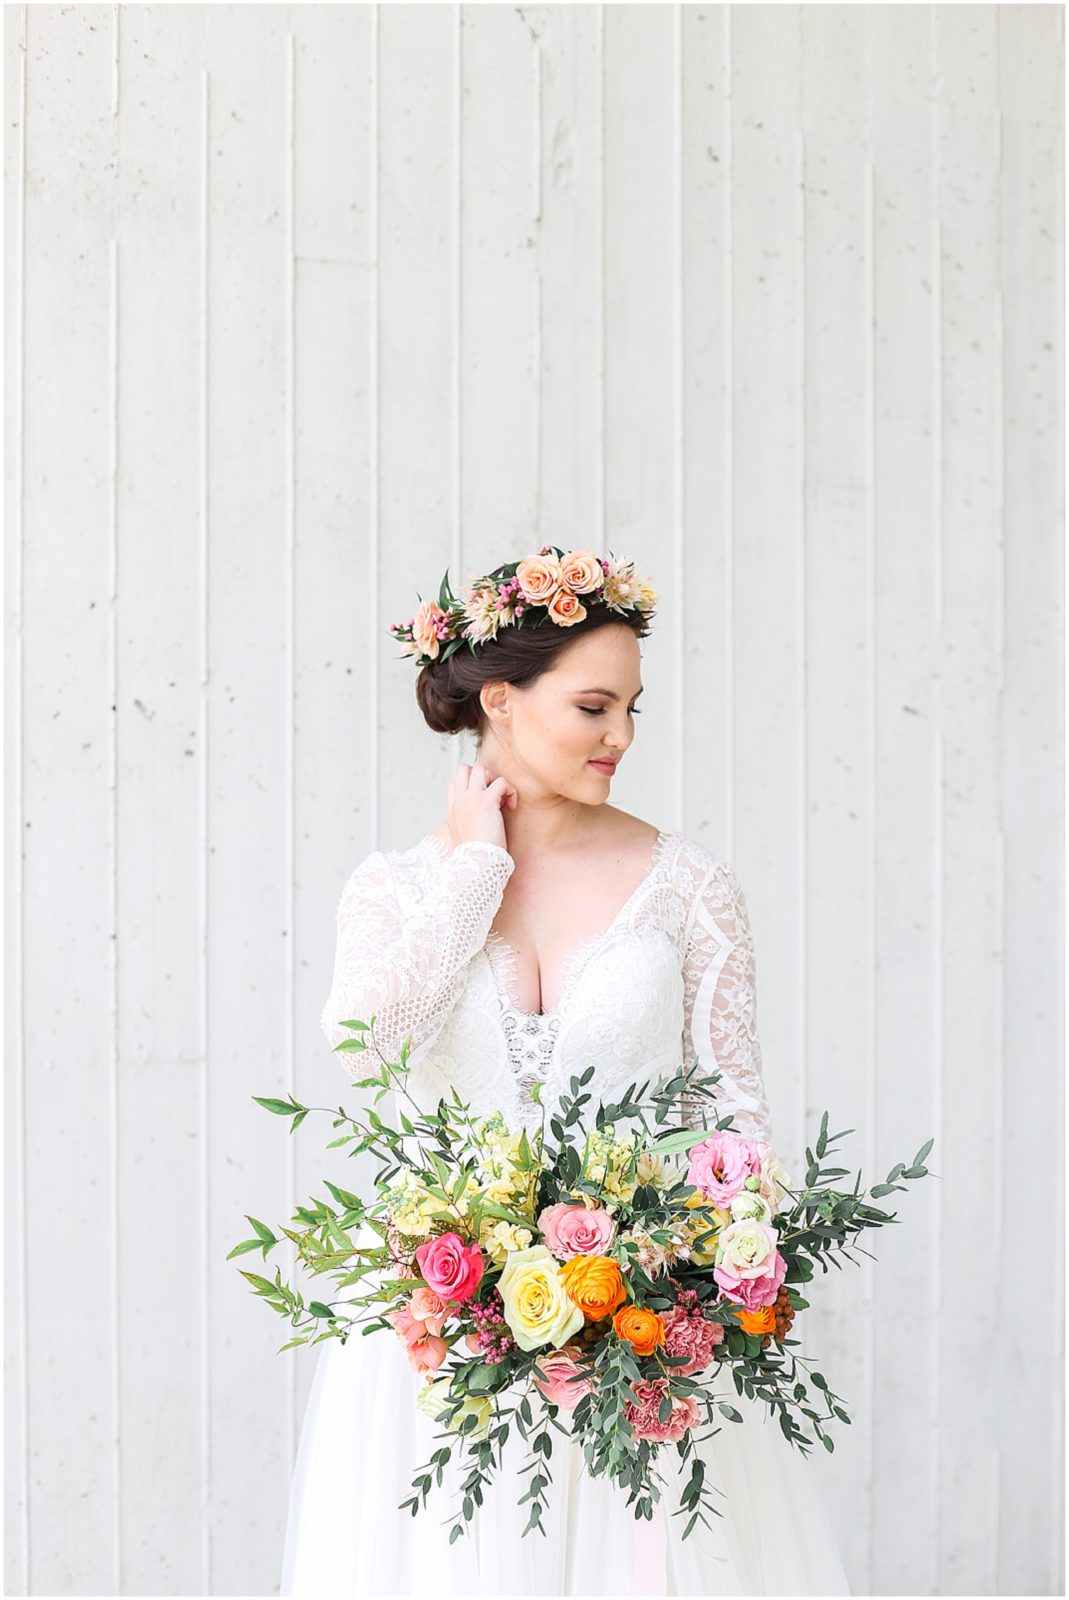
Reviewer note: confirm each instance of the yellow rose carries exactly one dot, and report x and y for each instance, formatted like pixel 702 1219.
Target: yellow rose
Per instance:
pixel 712 1217
pixel 537 1307
pixel 581 571
pixel 432 1398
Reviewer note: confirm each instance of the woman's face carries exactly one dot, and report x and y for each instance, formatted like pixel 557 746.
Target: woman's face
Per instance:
pixel 545 738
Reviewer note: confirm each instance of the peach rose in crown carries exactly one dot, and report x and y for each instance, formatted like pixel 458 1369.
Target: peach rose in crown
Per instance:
pixel 582 571
pixel 566 608
pixel 569 1230
pixel 539 578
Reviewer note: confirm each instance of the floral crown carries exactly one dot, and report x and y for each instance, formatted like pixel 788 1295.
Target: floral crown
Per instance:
pixel 529 592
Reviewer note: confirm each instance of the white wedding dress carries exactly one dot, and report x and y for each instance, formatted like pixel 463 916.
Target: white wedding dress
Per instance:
pixel 672 980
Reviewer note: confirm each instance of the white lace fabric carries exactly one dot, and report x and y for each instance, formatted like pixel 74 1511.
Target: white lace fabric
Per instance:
pixel 670 981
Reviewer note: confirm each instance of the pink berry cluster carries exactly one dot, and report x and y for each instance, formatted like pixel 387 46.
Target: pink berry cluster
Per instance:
pixel 491 1336
pixel 442 627
pixel 508 591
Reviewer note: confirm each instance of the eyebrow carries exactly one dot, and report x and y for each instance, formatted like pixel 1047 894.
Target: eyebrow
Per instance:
pixel 609 693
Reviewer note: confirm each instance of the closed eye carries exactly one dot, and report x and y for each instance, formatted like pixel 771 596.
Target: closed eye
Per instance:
pixel 599 711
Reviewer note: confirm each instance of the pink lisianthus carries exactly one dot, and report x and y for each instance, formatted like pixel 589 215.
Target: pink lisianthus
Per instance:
pixel 642 1412
pixel 425 1350
pixel 720 1165
pixel 553 1372
pixel 688 1333
pixel 576 1230
pixel 450 1267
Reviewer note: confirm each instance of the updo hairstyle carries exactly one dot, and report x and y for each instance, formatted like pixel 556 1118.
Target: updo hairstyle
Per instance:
pixel 448 691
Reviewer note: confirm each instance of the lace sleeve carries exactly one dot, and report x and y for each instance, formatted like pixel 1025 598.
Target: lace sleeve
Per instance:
pixel 720 1008
pixel 405 965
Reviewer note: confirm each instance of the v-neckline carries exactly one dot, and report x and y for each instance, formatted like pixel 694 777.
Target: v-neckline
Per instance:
pixel 500 954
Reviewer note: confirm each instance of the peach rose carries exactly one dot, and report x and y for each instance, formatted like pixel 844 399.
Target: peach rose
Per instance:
pixel 581 571
pixel 539 578
pixel 594 1284
pixel 425 1351
pixel 566 608
pixel 641 1328
pixel 429 1308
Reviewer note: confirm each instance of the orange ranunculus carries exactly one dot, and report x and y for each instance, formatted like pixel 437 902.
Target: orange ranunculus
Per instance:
pixel 762 1321
pixel 643 1329
pixel 594 1284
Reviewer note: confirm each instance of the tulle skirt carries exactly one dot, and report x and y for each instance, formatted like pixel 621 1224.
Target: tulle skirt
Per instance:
pixel 364 1439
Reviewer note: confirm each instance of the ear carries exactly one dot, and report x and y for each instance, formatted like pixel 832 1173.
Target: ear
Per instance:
pixel 494 698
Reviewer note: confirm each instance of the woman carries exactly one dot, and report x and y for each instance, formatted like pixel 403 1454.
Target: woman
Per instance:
pixel 537 931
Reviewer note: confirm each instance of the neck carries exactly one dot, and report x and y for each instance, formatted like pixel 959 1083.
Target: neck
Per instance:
pixel 544 820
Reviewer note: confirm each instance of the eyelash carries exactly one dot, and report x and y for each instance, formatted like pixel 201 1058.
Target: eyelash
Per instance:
pixel 599 711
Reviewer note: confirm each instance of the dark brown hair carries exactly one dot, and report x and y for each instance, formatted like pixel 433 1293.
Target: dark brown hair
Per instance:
pixel 448 691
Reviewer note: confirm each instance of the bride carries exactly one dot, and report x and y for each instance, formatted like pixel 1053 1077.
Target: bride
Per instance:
pixel 540 930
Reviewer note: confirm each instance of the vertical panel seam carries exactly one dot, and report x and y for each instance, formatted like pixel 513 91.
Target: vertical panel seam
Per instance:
pixel 290 966
pixel 939 763
pixel 205 853
pixel 679 639
pixel 374 532
pixel 20 820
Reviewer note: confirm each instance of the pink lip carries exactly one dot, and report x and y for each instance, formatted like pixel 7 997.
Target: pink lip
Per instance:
pixel 606 766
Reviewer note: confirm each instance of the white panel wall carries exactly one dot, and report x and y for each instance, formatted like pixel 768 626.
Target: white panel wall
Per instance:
pixel 305 303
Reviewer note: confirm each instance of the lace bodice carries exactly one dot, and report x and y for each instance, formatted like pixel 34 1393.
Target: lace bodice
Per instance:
pixel 670 981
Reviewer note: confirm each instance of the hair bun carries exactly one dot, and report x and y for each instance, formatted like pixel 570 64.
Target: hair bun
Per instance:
pixel 446 707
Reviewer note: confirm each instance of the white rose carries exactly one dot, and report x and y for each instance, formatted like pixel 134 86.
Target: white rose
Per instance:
pixel 747 1249
pixel 748 1205
pixel 774 1180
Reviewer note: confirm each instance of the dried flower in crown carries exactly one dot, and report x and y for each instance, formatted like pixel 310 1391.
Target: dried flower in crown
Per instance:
pixel 554 586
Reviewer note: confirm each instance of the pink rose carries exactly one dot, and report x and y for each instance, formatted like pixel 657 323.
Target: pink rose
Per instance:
pixel 554 1373
pixel 576 1230
pixel 688 1333
pixel 450 1267
pixel 642 1412
pixel 425 1351
pixel 753 1292
pixel 720 1165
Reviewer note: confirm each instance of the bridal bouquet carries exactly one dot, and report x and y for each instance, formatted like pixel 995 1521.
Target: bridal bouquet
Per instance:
pixel 617 1279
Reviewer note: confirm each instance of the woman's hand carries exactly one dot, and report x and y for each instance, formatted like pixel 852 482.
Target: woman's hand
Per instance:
pixel 475 806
